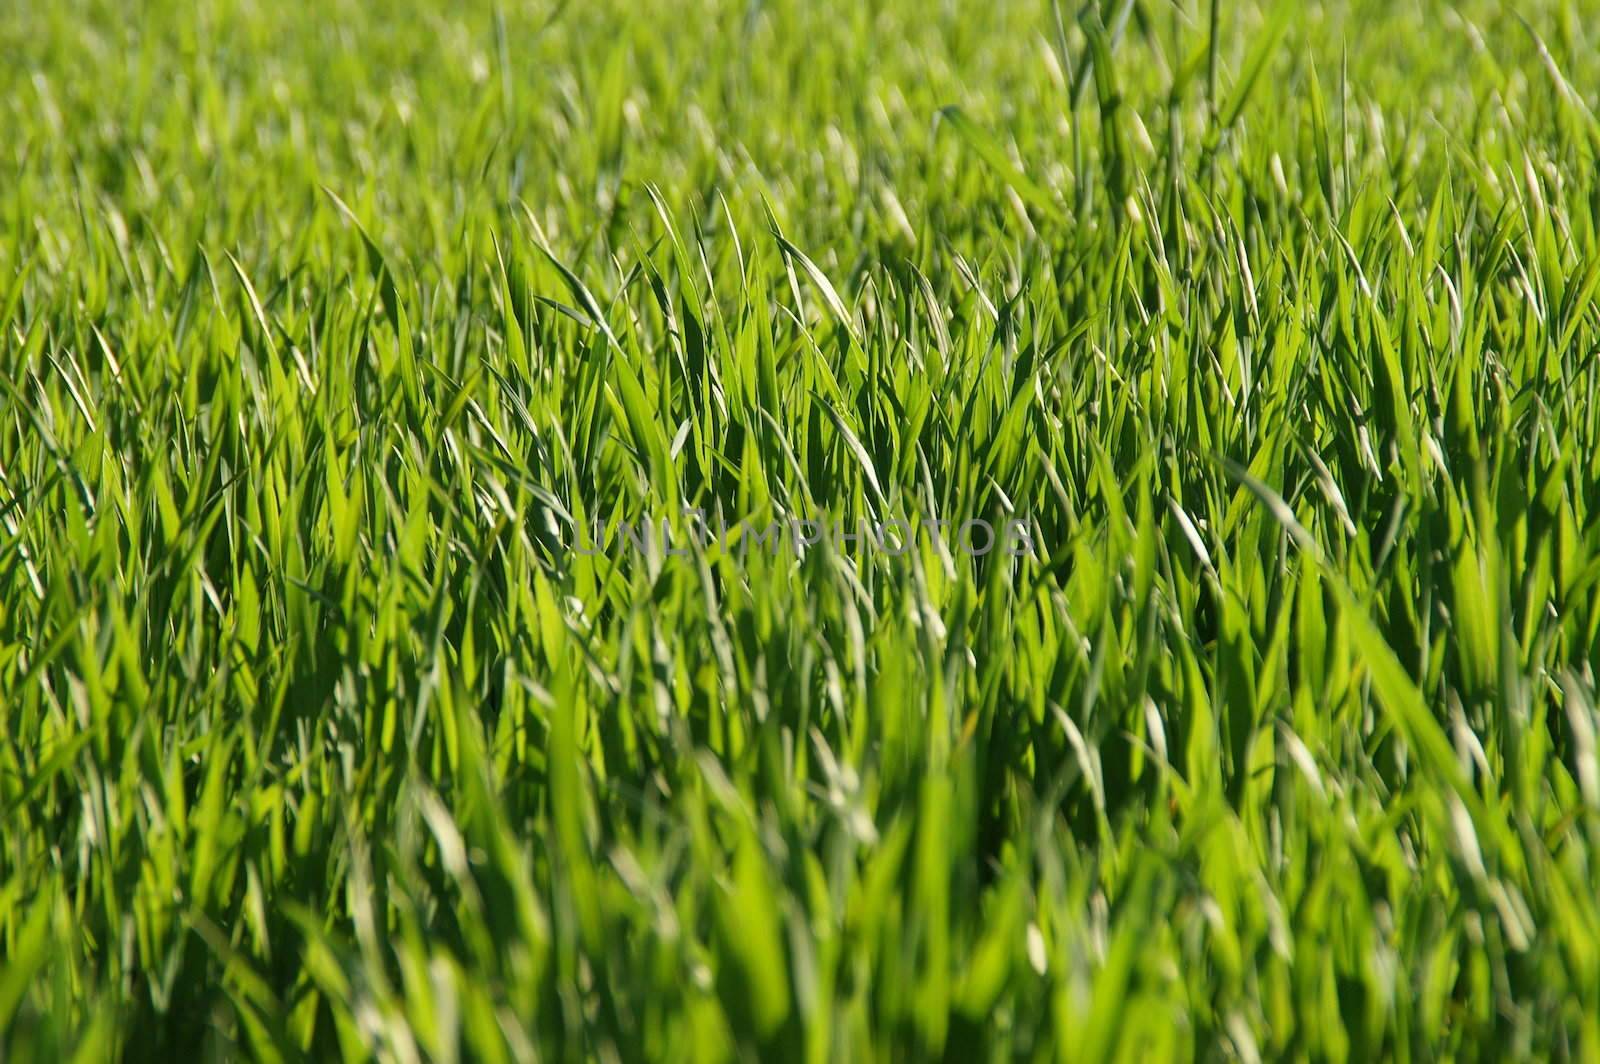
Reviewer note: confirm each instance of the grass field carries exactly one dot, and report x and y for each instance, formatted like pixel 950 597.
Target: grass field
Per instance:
pixel 345 354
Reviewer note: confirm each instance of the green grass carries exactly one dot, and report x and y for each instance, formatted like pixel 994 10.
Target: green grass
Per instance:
pixel 324 331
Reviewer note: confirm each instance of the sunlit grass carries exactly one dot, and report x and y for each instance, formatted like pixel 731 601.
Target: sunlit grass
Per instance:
pixel 328 334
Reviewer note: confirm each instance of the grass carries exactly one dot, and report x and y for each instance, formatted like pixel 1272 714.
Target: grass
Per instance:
pixel 325 333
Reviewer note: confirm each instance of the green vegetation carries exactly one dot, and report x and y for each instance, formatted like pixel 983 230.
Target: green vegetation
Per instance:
pixel 325 329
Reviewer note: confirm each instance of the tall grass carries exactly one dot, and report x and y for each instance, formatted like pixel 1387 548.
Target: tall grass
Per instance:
pixel 327 334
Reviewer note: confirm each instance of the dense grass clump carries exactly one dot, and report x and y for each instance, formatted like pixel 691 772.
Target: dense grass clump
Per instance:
pixel 347 708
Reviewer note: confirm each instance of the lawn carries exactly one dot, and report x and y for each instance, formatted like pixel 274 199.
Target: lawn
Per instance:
pixel 799 530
